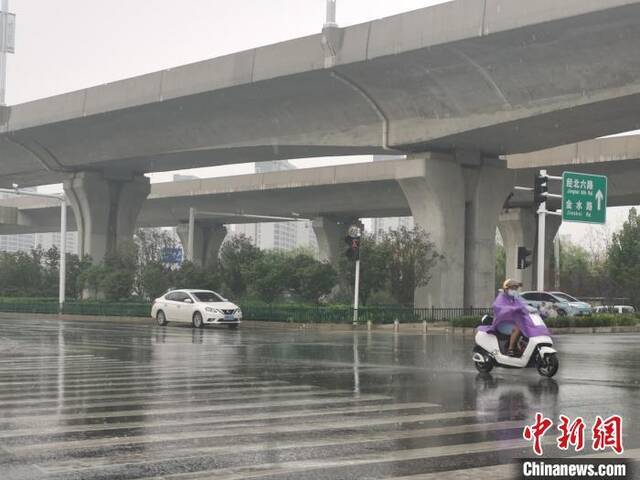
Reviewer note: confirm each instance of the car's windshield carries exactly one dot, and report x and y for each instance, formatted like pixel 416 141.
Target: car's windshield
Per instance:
pixel 207 297
pixel 564 296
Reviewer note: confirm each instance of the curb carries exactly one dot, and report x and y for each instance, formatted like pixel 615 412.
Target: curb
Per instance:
pixel 438 328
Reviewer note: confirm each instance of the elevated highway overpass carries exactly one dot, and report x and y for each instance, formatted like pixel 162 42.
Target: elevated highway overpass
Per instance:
pixel 333 196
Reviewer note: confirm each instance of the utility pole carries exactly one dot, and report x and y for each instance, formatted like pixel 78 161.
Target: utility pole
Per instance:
pixel 7 35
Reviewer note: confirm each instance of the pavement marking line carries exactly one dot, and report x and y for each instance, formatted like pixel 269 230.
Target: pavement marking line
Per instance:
pixel 242 430
pixel 33 406
pixel 503 471
pixel 229 449
pixel 360 409
pixel 301 466
pixel 158 388
pixel 71 383
pixel 210 408
pixel 205 400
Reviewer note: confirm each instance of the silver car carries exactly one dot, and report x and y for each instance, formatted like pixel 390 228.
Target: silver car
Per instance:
pixel 198 307
pixel 564 304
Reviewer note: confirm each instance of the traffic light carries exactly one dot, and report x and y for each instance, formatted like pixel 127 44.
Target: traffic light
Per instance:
pixel 353 252
pixel 539 189
pixel 523 261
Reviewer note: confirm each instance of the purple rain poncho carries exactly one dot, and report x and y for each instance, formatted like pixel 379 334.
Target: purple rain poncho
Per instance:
pixel 507 309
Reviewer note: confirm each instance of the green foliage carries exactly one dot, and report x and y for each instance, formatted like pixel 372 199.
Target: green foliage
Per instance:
pixel 190 275
pixel 235 257
pixel 150 244
pixel 269 275
pixel 156 279
pixel 411 257
pixel 623 259
pixel 118 273
pixel 21 274
pixel 309 278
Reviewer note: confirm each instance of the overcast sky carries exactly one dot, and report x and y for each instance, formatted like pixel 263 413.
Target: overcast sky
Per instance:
pixel 66 45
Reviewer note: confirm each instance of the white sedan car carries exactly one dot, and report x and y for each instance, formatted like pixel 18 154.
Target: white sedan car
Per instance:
pixel 198 307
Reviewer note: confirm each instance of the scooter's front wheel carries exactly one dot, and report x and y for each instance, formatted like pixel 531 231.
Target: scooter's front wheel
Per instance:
pixel 485 366
pixel 548 365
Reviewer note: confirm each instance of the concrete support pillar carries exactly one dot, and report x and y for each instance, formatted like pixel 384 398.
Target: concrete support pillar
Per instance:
pixel 518 227
pixel 488 183
pixel 207 240
pixel 330 233
pixel 106 208
pixel 437 203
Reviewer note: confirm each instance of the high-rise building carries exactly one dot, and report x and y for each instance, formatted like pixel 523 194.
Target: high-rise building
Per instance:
pixel 282 236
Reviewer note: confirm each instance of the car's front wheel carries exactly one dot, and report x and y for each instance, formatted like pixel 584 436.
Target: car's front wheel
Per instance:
pixel 161 318
pixel 197 320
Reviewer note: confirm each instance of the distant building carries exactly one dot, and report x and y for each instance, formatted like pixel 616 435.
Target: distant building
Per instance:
pixel 282 236
pixel 48 240
pixel 17 243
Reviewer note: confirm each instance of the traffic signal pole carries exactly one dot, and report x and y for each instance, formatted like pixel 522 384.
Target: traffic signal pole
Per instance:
pixel 356 293
pixel 542 217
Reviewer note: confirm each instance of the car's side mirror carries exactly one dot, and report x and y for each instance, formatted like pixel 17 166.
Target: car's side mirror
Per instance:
pixel 188 300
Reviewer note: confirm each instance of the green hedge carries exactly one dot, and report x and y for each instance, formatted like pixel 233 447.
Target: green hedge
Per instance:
pixel 308 314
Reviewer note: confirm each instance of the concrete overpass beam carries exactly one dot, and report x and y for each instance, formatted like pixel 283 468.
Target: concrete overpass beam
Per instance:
pixel 518 227
pixel 330 233
pixel 437 203
pixel 488 183
pixel 106 208
pixel 207 240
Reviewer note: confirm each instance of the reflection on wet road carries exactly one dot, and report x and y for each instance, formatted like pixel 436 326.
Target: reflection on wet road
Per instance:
pixel 119 401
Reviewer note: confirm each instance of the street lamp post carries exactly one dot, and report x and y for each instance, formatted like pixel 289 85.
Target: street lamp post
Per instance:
pixel 63 237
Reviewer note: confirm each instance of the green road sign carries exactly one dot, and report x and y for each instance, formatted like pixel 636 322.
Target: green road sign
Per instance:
pixel 584 198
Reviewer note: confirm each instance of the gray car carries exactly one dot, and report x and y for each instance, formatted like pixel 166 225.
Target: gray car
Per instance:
pixel 564 304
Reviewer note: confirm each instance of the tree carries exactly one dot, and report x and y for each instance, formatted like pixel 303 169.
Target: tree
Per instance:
pixel 374 268
pixel 190 275
pixel 411 257
pixel 235 256
pixel 156 279
pixel 310 279
pixel 623 259
pixel 118 273
pixel 21 274
pixel 269 275
pixel 151 243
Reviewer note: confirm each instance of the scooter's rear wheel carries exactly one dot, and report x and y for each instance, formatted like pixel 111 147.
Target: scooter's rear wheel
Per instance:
pixel 548 366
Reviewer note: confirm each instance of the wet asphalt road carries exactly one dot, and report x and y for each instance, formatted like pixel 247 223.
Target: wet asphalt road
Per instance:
pixel 119 401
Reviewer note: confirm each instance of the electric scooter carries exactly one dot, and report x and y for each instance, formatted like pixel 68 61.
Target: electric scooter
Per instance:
pixel 491 350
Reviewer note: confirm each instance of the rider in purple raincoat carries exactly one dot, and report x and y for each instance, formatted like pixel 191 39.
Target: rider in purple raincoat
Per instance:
pixel 511 316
